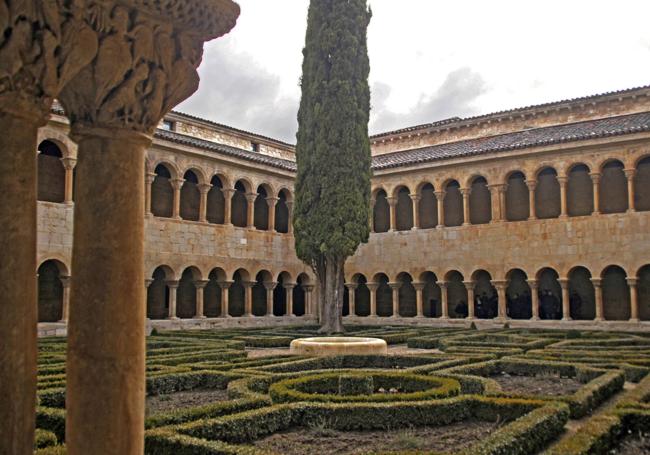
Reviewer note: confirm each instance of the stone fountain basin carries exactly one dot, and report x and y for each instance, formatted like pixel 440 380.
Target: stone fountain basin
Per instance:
pixel 322 346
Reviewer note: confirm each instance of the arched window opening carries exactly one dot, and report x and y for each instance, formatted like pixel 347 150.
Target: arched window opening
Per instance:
pixel 404 210
pixel 282 213
pixel 51 173
pixel 384 296
pixel 50 292
pixel 186 294
pixel 216 202
pixel 616 294
pixel 518 296
pixel 261 210
pixel 547 194
pixel 579 192
pixel 162 193
pixel 517 199
pixel 453 204
pixel 212 294
pixel 456 295
pixel 582 297
pixel 642 186
pixel 280 295
pixel 431 296
pixel 237 295
pixel 362 297
pixel 259 293
pixel 158 295
pixel 190 197
pixel 407 296
pixel 428 208
pixel 486 299
pixel 239 209
pixel 381 213
pixel 480 202
pixel 613 188
pixel 550 295
pixel 643 292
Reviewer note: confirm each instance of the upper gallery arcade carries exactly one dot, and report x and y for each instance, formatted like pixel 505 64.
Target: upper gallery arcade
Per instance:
pixel 537 213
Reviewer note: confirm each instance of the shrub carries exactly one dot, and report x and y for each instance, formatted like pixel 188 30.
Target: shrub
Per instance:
pixel 44 438
pixel 350 384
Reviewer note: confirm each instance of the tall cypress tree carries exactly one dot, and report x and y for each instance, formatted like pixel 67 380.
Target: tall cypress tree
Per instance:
pixel 333 149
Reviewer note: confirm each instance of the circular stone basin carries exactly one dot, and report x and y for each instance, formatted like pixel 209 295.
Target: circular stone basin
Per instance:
pixel 338 346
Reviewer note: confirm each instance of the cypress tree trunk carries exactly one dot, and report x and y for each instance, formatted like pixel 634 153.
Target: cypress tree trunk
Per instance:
pixel 331 277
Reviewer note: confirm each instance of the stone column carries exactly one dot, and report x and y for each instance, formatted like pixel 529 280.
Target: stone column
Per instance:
pixel 148 181
pixel 501 286
pixel 502 201
pixel 419 288
pixel 269 286
pixel 68 164
pixel 466 214
pixel 415 198
pixel 271 202
pixel 497 199
pixel 534 299
pixel 531 184
pixel 200 292
pixel 248 298
pixel 634 299
pixel 225 309
pixel 290 217
pixel 629 174
pixel 373 298
pixel 289 295
pixel 351 297
pixel 204 189
pixel 469 285
pixel 566 307
pixel 65 282
pixel 392 204
pixel 250 210
pixel 440 196
pixel 309 290
pixel 227 205
pixel 444 299
pixel 395 289
pixel 598 291
pixel 173 289
pixel 177 184
pixel 145 64
pixel 371 216
pixel 595 181
pixel 563 205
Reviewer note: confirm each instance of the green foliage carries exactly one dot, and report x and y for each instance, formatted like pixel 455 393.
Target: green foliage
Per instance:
pixel 333 150
pixel 351 384
pixel 44 438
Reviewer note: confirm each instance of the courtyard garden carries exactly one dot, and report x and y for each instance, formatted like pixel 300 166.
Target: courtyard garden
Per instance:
pixel 438 391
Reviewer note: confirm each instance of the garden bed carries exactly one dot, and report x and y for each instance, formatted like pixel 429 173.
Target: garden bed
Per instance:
pixel 546 385
pixel 198 397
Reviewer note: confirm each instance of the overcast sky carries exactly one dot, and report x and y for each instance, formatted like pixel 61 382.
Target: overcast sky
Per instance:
pixel 429 59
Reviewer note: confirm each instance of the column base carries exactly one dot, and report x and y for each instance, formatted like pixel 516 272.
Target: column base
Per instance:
pixel 567 319
pixel 173 318
pixel 630 211
pixel 531 218
pixel 598 319
pixel 535 318
pixel 563 216
pixel 467 224
pixel 595 213
pixel 415 228
pixel 196 316
pixel 440 226
pixel 634 320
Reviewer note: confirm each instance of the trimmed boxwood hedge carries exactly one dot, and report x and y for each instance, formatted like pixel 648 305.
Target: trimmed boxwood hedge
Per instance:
pixel 44 438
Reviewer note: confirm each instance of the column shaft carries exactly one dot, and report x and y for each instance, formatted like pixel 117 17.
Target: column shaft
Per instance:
pixel 228 193
pixel 204 188
pixel 269 297
pixel 634 300
pixel 595 180
pixel 534 298
pixel 250 210
pixel 466 213
pixel 65 282
pixel 289 296
pixel 469 285
pixel 351 298
pixel 531 199
pixel 416 210
pixel 149 179
pixel 419 288
pixel 395 297
pixel 372 287
pixel 566 308
pixel 173 291
pixel 440 196
pixel 563 204
pixel 501 294
pixel 444 300
pixel 392 204
pixel 200 292
pixel 629 174
pixel 272 201
pixel 68 165
pixel 248 298
pixel 598 290
pixel 225 307
pixel 177 184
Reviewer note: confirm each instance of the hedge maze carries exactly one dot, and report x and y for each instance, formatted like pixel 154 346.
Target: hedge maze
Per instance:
pixel 451 391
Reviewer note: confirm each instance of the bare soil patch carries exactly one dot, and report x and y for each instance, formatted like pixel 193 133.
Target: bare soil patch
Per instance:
pixel 300 441
pixel 549 385
pixel 186 399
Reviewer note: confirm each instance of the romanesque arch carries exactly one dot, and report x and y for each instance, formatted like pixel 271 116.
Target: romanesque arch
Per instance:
pixel 158 293
pixel 519 303
pixel 186 293
pixel 216 203
pixel 50 290
pixel 261 209
pixel 480 202
pixel 212 293
pixel 517 199
pixel 550 294
pixel 616 294
pixel 237 293
pixel 485 296
pixel 407 295
pixel 642 185
pixel 403 209
pixel 190 197
pixel 361 296
pixel 51 173
pixel 381 213
pixel 580 195
pixel 613 188
pixel 431 295
pixel 282 212
pixel 239 210
pixel 582 296
pixel 384 295
pixel 162 192
pixel 453 204
pixel 547 194
pixel 428 207
pixel 643 292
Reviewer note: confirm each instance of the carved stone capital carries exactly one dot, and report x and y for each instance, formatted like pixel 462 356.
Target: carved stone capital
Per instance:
pixel 204 188
pixel 270 285
pixel 68 163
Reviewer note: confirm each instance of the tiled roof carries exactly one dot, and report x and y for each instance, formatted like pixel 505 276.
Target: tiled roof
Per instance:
pixel 592 129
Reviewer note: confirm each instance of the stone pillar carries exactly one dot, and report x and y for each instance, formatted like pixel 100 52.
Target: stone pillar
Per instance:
pixel 469 285
pixel 534 299
pixel 440 196
pixel 392 204
pixel 501 286
pixel 598 291
pixel 269 286
pixel 595 180
pixel 200 292
pixel 68 164
pixel 309 292
pixel 497 199
pixel 395 289
pixel 148 181
pixel 177 184
pixel 444 299
pixel 531 184
pixel 566 307
pixel 225 309
pixel 271 202
pixel 290 217
pixel 228 193
pixel 415 198
pixel 289 294
pixel 65 282
pixel 173 290
pixel 373 298
pixel 629 174
pixel 250 210
pixel 351 297
pixel 502 202
pixel 371 216
pixel 466 215
pixel 204 189
pixel 419 288
pixel 634 299
pixel 563 205
pixel 248 298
